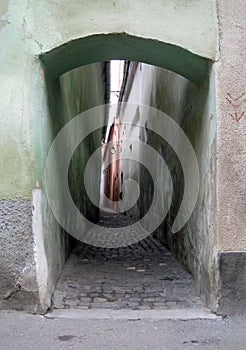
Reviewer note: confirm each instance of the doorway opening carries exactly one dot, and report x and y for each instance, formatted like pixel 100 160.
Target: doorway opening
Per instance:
pixel 170 81
pixel 142 275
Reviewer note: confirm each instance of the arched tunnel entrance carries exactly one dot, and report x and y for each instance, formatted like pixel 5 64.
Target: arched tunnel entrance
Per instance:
pixel 144 273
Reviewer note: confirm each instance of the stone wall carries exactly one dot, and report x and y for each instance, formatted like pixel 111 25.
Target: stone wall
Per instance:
pixel 19 288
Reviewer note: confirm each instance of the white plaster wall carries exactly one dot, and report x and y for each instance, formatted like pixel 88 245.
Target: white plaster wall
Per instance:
pixel 194 110
pixel 231 134
pixel 40 254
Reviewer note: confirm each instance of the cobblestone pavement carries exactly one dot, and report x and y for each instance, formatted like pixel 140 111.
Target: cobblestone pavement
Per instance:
pixel 141 276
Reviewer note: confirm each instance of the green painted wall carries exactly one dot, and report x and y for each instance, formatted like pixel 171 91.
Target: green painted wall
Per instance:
pixel 29 29
pixel 190 24
pixel 122 46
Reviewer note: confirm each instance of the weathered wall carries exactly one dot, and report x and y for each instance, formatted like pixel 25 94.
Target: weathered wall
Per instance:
pixel 194 110
pixel 68 96
pixel 21 105
pixel 188 24
pixel 196 241
pixel 230 79
pixel 18 286
pixel 78 96
pixel 46 245
pixel 231 157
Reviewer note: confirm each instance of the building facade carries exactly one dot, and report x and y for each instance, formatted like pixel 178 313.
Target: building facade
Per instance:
pixel 51 71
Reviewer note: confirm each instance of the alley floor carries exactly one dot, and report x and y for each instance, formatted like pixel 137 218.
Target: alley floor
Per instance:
pixel 141 276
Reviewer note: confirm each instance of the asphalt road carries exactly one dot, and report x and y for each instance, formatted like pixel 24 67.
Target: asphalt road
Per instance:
pixel 24 331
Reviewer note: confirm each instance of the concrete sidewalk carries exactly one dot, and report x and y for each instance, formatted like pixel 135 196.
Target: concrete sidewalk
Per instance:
pixel 33 332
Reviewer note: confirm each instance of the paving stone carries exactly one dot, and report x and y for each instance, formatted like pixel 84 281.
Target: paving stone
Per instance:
pixel 171 303
pixel 99 300
pixel 59 305
pixel 144 307
pixel 72 303
pixel 98 306
pixel 140 276
pixel 148 299
pixel 82 307
pixel 85 300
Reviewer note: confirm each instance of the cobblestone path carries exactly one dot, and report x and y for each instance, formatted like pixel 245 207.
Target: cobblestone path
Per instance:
pixel 141 276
